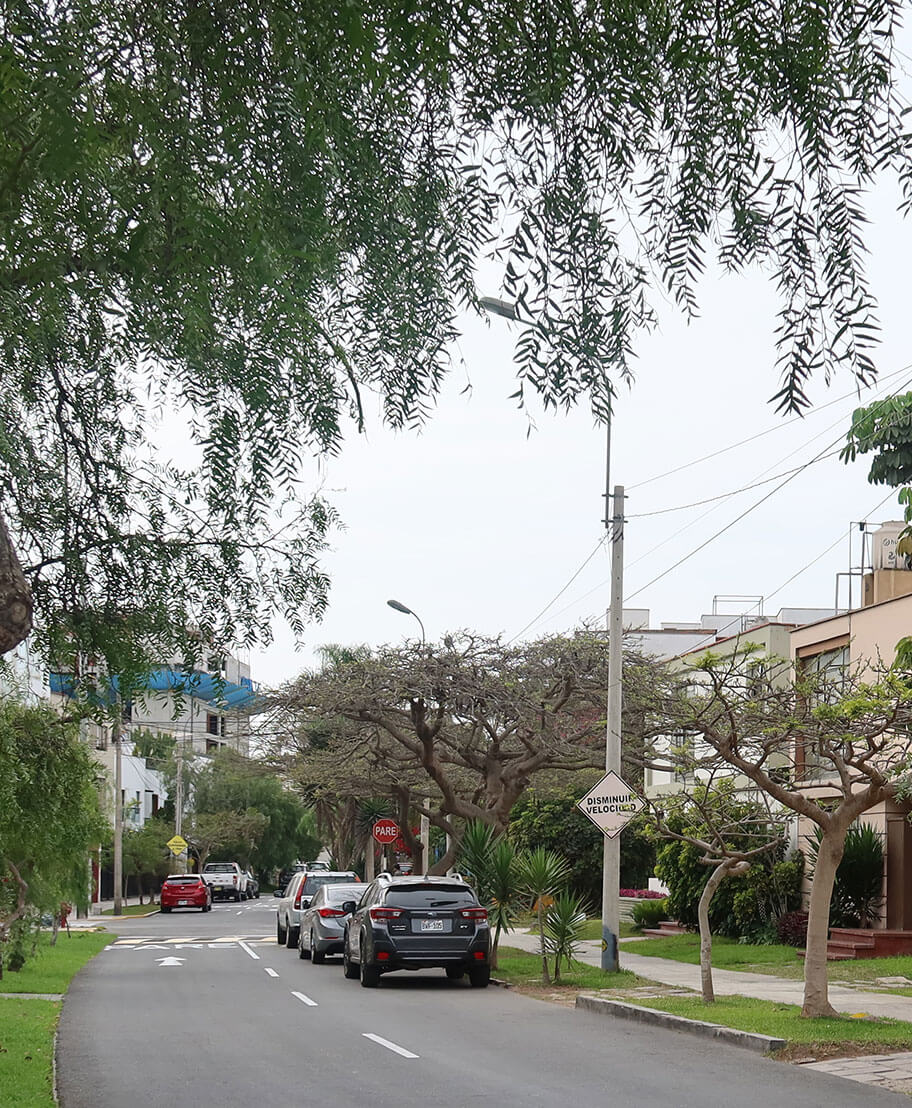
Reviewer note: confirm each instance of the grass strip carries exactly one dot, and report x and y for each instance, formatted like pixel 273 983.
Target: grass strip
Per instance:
pixel 133 910
pixel 27 1052
pixel 518 967
pixel 52 968
pixel 784 1021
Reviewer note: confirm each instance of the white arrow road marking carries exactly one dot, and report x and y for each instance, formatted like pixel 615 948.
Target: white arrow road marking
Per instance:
pixel 171 961
pixel 271 972
pixel 305 999
pixel 389 1046
pixel 252 953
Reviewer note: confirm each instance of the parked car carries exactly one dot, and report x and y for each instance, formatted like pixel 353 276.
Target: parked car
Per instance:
pixel 185 890
pixel 297 899
pixel 253 886
pixel 323 924
pixel 299 867
pixel 414 923
pixel 226 879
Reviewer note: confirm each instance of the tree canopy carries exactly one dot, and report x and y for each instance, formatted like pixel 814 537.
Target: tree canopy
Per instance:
pixel 268 215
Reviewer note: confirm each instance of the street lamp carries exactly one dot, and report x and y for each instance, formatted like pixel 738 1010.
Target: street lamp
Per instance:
pixel 614 526
pixel 424 833
pixel 408 611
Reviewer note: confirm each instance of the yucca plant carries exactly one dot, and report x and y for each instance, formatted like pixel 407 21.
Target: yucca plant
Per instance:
pixel 490 861
pixel 565 922
pixel 541 874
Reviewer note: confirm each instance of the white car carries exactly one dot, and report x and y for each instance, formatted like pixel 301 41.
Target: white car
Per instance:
pixel 296 900
pixel 226 879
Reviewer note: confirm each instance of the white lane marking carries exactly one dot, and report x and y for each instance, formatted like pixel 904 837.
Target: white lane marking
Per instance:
pixel 305 999
pixel 389 1046
pixel 238 913
pixel 271 972
pixel 252 953
pixel 171 961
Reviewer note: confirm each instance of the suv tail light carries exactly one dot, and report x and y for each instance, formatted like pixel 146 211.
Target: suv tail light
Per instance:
pixel 234 880
pixel 327 912
pixel 381 914
pixel 478 915
pixel 298 895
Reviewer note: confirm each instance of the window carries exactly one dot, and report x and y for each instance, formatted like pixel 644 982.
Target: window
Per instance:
pixel 427 896
pixel 212 724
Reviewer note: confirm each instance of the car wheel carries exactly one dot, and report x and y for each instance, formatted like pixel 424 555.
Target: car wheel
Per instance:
pixel 455 973
pixel 480 978
pixel 316 955
pixel 370 976
pixel 165 910
pixel 302 953
pixel 237 898
pixel 292 940
pixel 280 934
pixel 349 969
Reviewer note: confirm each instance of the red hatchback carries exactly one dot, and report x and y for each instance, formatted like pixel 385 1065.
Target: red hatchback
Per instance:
pixel 185 890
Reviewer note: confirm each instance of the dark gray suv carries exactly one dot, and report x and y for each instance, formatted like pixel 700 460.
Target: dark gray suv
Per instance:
pixel 415 923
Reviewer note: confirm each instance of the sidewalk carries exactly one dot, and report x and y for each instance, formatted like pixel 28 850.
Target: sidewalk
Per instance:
pixel 886 1071
pixel 731 982
pixel 86 923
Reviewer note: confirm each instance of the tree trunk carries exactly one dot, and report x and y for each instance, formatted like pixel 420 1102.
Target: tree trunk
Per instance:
pixel 816 985
pixel 15 596
pixel 440 867
pixel 727 868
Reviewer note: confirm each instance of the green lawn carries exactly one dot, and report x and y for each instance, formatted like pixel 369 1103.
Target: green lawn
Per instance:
pixel 520 968
pixel 133 910
pixel 780 961
pixel 53 967
pixel 784 1021
pixel 27 1045
pixel 592 930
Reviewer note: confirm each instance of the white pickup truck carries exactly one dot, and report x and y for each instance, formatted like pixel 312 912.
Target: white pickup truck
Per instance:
pixel 226 879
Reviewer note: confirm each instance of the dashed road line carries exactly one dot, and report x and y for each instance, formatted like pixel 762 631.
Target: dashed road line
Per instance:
pixel 389 1046
pixel 246 948
pixel 304 999
pixel 271 972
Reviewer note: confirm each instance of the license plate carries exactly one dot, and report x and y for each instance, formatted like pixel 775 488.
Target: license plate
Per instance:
pixel 432 925
pixel 181 903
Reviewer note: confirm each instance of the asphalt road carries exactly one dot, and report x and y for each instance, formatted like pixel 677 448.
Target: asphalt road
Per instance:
pixel 192 1009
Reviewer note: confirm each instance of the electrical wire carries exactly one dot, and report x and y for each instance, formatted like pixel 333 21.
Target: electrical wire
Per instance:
pixel 558 595
pixel 758 435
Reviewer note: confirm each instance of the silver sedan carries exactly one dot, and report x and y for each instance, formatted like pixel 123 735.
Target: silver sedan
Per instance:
pixel 323 923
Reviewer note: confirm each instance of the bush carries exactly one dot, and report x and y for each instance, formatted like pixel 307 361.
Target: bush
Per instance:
pixel 792 928
pixel 642 894
pixel 858 886
pixel 649 913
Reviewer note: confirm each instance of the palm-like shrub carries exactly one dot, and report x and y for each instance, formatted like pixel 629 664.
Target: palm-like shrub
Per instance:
pixel 490 861
pixel 541 874
pixel 858 887
pixel 565 922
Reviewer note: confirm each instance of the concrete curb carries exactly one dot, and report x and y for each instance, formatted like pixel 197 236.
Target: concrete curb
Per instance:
pixel 762 1044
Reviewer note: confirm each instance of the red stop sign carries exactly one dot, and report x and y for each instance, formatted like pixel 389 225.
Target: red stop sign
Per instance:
pixel 386 831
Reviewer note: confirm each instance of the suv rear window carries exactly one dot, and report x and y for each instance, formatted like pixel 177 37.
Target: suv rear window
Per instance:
pixel 429 896
pixel 313 882
pixel 220 867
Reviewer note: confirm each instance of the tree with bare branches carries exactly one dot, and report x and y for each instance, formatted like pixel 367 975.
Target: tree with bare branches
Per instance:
pixel 467 722
pixel 829 750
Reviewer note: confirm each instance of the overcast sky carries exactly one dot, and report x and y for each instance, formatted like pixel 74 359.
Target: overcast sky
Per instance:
pixel 475 523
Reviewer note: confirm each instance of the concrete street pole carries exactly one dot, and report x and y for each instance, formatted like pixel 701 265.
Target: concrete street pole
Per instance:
pixel 611 854
pixel 425 835
pixel 118 812
pixel 369 848
pixel 182 859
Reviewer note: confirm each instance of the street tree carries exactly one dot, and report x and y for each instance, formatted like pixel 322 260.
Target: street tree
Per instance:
pixel 231 782
pixel 827 750
pixel 49 813
pixel 266 216
pixel 728 830
pixel 468 722
pixel 225 832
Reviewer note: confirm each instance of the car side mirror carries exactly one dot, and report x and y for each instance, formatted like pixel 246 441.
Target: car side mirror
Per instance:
pixel 348 906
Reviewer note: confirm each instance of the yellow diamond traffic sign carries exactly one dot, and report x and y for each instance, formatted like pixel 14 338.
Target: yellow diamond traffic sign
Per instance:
pixel 177 844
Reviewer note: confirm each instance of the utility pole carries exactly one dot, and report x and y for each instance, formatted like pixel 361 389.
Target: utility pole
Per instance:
pixel 179 798
pixel 425 836
pixel 117 734
pixel 611 854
